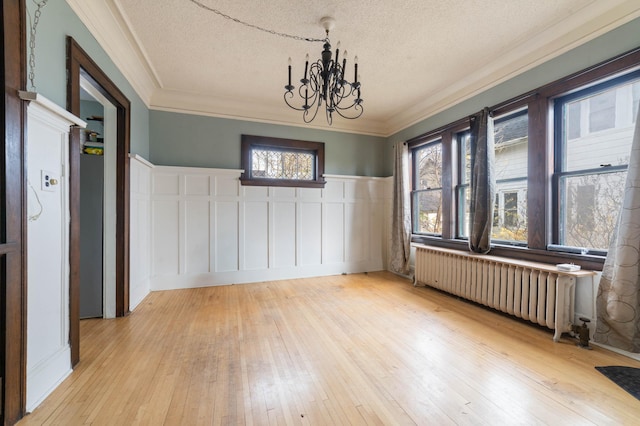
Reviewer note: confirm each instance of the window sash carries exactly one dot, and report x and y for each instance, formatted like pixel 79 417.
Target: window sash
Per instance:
pixel 542 162
pixel 427 221
pixel 594 156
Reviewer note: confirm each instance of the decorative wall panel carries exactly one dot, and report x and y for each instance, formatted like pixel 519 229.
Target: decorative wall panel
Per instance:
pixel 207 229
pixel 140 230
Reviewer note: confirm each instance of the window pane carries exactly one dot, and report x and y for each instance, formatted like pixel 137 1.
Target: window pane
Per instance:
pixel 589 190
pixel 511 210
pixel 464 177
pixel 573 120
pixel 607 138
pixel 591 207
pixel 275 164
pixel 511 165
pixel 428 212
pixel 511 140
pixel 510 213
pixel 465 157
pixel 429 165
pixel 636 100
pixel 602 111
pixel 464 195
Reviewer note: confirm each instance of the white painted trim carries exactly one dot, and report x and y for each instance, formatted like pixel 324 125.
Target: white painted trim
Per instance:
pixel 48 364
pixel 68 118
pixel 618 351
pixel 237 109
pixel 46 376
pixel 197 170
pixel 107 24
pixel 171 282
pixel 109 199
pixel 141 160
pixel 326 176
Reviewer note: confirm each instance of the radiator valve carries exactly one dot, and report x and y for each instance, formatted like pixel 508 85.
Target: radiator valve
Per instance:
pixel 583 333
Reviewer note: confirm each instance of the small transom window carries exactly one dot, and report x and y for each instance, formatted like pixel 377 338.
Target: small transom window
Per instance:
pixel 282 162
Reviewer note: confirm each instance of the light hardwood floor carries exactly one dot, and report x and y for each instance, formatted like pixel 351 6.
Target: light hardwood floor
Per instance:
pixel 356 349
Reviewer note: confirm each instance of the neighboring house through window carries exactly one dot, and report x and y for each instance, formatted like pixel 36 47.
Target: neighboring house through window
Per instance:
pixel 561 158
pixel 594 130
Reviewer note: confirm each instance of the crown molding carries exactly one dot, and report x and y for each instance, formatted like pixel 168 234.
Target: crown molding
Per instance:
pixel 112 31
pixel 236 109
pixel 108 25
pixel 586 24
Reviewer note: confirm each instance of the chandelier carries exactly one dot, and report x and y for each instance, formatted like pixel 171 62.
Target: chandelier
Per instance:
pixel 324 84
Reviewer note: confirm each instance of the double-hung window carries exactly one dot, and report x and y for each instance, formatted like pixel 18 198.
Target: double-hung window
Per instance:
pixel 560 165
pixel 510 171
pixel 593 133
pixel 427 188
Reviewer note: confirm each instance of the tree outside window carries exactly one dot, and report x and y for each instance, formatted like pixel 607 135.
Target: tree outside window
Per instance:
pixel 427 193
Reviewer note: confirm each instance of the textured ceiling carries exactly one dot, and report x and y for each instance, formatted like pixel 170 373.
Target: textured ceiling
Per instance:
pixel 416 57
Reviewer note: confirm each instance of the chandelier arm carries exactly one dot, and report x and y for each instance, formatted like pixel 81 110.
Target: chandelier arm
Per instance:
pixel 354 103
pixel 356 108
pixel 329 116
pixel 287 102
pixel 306 113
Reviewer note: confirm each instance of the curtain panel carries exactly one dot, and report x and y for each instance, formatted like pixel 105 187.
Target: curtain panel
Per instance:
pixel 618 300
pixel 401 220
pixel 482 182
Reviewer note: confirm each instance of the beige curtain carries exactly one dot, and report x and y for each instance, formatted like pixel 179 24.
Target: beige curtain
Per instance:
pixel 482 182
pixel 618 300
pixel 401 221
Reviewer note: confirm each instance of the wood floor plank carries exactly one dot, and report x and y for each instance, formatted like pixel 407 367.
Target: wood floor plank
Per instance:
pixel 339 350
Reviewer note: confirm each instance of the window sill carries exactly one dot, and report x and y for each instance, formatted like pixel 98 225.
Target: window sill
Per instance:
pixel 590 262
pixel 283 183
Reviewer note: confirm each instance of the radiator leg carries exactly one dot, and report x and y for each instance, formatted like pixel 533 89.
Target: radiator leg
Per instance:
pixel 564 305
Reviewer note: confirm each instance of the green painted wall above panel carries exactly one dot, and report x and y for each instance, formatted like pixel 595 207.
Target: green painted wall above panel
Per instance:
pixel 199 141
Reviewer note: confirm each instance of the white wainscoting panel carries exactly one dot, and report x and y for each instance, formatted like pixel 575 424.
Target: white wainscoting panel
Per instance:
pixel 256 234
pixel 140 230
pixel 225 237
pixel 284 234
pixel 197 231
pixel 48 354
pixel 165 238
pixel 310 235
pixel 207 229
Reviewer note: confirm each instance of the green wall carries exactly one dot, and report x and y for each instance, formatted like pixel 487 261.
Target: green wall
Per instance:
pixel 615 42
pixel 196 141
pixel 56 22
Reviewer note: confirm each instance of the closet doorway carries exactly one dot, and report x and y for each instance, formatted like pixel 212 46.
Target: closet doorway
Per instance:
pixel 82 71
pixel 97 204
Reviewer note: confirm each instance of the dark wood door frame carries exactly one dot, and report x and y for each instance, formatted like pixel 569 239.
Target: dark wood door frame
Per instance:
pixel 80 64
pixel 13 276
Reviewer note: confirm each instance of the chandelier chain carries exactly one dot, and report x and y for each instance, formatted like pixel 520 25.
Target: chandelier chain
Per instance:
pixel 32 42
pixel 256 27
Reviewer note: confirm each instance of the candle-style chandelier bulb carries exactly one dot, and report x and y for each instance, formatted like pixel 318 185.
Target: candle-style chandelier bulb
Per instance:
pixel 324 84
